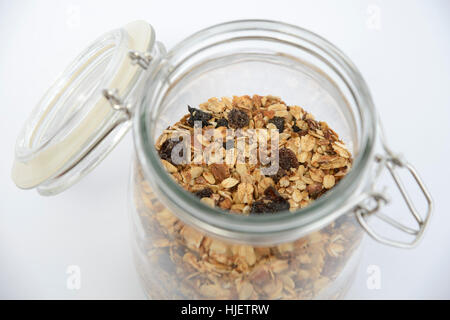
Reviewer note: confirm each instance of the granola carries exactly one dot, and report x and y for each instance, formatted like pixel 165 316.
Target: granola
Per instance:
pixel 311 158
pixel 183 263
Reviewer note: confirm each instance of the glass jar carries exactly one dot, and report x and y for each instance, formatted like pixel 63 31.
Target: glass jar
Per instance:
pixel 183 247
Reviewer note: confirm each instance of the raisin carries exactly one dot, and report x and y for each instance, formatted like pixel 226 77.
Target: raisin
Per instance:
pixel 271 194
pixel 280 205
pixel 273 202
pixel 278 122
pixel 204 193
pixel 165 152
pixel 269 207
pixel 198 115
pixel 260 207
pixel 288 159
pixel 237 119
pixel 280 174
pixel 222 122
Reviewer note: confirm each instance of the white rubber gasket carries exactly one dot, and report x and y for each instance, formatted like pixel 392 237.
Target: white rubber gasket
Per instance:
pixel 48 162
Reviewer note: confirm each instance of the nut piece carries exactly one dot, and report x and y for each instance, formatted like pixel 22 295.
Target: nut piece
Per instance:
pixel 220 171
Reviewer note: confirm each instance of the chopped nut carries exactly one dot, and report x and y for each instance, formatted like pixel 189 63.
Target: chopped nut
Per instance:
pixel 220 171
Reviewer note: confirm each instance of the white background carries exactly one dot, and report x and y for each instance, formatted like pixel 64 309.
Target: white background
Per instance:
pixel 404 59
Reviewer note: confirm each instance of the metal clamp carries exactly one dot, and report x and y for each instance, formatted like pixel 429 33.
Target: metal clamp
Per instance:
pixel 394 162
pixel 116 102
pixel 143 59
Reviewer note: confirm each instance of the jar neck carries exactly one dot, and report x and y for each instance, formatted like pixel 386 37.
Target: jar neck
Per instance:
pixel 253 37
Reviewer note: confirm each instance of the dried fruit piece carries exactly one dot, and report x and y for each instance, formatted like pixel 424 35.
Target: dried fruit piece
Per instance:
pixel 222 122
pixel 278 122
pixel 165 152
pixel 237 119
pixel 204 193
pixel 272 202
pixel 288 159
pixel 272 194
pixel 280 174
pixel 198 116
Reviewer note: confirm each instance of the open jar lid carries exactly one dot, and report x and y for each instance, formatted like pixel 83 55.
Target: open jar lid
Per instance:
pixel 85 113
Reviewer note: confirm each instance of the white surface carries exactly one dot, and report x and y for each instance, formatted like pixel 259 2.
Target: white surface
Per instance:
pixel 405 63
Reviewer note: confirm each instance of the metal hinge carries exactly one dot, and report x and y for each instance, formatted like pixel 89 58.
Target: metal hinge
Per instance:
pixel 112 95
pixel 143 59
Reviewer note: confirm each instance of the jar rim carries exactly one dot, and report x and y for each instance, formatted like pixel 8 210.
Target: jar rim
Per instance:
pixel 261 229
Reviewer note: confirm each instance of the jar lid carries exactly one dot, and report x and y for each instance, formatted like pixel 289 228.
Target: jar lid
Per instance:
pixel 85 113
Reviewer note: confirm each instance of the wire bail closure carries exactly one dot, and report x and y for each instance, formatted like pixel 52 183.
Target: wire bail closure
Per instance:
pixel 393 162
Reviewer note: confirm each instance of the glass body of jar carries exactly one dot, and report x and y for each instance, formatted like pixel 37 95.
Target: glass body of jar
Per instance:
pixel 187 250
